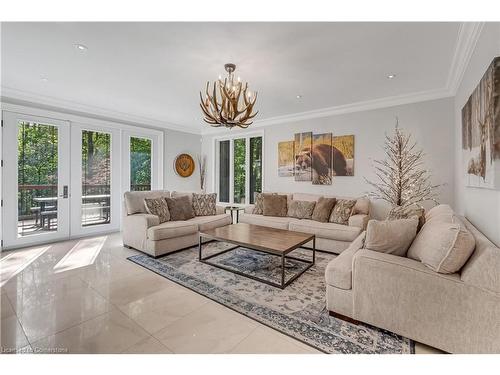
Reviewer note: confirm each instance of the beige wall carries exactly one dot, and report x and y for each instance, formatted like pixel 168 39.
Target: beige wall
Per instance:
pixel 431 123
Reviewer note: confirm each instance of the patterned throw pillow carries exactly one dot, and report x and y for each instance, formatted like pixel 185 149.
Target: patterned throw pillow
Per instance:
pixel 204 204
pixel 300 209
pixel 342 211
pixel 158 207
pixel 258 208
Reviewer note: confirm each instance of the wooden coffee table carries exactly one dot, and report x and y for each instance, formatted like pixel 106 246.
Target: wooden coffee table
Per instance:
pixel 278 242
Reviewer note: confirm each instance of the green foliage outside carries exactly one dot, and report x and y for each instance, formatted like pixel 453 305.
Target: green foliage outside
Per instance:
pixel 239 170
pixel 140 164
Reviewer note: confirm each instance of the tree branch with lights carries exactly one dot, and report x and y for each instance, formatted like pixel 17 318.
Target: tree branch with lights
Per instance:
pixel 403 182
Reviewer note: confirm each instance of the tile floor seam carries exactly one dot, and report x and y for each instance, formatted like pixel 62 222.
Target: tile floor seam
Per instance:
pixel 65 329
pixel 244 338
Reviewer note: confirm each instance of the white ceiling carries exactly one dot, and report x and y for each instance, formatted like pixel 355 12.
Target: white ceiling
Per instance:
pixel 154 71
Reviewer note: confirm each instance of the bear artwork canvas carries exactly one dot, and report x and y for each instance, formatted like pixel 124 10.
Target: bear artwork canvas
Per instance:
pixel 343 155
pixel 322 159
pixel 285 159
pixel 303 144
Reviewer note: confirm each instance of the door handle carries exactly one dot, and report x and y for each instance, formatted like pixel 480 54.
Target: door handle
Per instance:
pixel 65 192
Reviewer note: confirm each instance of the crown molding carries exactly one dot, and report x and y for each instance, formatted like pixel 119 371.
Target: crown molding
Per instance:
pixel 15 96
pixel 348 108
pixel 467 38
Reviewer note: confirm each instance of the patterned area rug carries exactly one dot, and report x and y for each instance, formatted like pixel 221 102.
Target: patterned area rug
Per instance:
pixel 298 311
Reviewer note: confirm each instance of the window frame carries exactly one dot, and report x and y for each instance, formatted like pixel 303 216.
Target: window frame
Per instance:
pixel 216 159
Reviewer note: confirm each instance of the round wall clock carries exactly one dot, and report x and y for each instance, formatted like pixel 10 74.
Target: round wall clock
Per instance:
pixel 184 165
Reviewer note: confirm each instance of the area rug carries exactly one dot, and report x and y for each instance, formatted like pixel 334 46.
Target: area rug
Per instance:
pixel 298 311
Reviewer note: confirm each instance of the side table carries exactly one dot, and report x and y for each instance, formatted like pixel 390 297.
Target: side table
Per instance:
pixel 232 210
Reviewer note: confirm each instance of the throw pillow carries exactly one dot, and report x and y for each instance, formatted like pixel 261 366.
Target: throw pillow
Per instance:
pixel 300 209
pixel 391 236
pixel 442 246
pixel 204 204
pixel 440 209
pixel 342 211
pixel 323 209
pixel 180 208
pixel 258 208
pixel 274 205
pixel 158 207
pixel 362 206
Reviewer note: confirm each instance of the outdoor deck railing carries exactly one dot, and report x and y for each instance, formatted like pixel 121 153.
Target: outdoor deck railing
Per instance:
pixel 26 193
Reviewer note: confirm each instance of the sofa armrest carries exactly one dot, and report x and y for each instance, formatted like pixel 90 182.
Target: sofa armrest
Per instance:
pixel 219 210
pixel 359 220
pixel 406 297
pixel 338 272
pixel 249 208
pixel 140 222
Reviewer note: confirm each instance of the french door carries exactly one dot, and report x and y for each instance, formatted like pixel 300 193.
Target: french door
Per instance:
pixel 35 180
pixel 64 179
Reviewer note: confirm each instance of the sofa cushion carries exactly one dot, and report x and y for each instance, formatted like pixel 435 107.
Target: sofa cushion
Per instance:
pixel 275 205
pixel 211 221
pixel 443 247
pixel 342 211
pixel 171 229
pixel 258 207
pixel 330 231
pixel 158 207
pixel 323 209
pixel 134 200
pixel 338 272
pixel 300 209
pixel 189 194
pixel 391 236
pixel 204 204
pixel 180 208
pixel 266 221
pixel 306 197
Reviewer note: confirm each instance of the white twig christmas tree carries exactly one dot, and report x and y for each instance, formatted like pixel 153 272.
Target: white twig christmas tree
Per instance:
pixel 403 182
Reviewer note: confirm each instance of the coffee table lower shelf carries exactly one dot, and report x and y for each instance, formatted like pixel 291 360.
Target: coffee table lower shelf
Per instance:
pixel 283 257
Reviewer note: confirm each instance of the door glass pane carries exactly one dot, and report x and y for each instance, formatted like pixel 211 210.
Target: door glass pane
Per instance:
pixel 239 170
pixel 37 178
pixel 96 178
pixel 224 171
pixel 255 167
pixel 140 164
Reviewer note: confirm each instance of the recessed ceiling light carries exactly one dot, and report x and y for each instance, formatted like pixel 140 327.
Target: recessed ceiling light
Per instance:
pixel 81 47
pixel 44 79
pixel 299 96
pixel 391 76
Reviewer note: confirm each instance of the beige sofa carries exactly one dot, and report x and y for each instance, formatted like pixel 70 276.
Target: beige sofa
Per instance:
pixel 457 313
pixel 330 237
pixel 142 231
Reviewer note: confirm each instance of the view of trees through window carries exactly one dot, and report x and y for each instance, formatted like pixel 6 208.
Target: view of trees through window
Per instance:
pixel 239 170
pixel 37 162
pixel 140 164
pixel 242 147
pixel 96 177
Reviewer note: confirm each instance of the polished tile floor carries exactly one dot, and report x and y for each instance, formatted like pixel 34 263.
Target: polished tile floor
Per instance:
pixel 83 296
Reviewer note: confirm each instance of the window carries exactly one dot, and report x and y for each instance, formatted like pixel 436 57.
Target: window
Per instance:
pixel 140 164
pixel 96 177
pixel 239 169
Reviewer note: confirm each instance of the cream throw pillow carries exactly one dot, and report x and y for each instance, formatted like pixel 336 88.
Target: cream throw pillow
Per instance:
pixel 440 209
pixel 391 236
pixel 443 246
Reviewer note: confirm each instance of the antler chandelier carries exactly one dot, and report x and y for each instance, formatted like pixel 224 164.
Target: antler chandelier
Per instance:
pixel 234 106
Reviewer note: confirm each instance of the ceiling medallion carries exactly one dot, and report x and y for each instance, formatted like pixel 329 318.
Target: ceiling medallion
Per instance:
pixel 234 106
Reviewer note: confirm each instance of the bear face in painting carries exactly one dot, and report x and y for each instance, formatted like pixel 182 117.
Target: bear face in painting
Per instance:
pixel 321 160
pixel 303 160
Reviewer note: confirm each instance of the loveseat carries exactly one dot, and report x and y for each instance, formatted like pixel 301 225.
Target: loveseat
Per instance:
pixel 330 237
pixel 457 313
pixel 143 232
